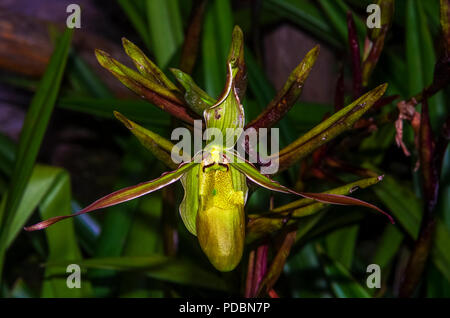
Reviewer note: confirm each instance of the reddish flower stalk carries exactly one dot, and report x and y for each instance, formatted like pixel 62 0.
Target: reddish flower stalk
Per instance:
pixel 355 55
pixel 339 93
pixel 430 183
pixel 192 39
pixel 257 267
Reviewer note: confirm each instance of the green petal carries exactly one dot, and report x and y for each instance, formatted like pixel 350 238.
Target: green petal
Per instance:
pixel 157 94
pixel 196 98
pixel 160 147
pixel 237 62
pixel 146 67
pixel 328 129
pixel 189 205
pixel 288 95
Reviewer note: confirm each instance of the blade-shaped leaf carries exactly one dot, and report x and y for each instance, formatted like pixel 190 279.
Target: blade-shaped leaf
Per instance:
pixel 407 209
pixel 40 183
pixel 122 195
pixel 288 95
pixel 165 28
pixel 32 134
pixel 216 41
pixel 159 267
pixel 307 15
pixel 341 282
pixel 137 19
pixel 62 241
pixel 134 109
pixel 328 129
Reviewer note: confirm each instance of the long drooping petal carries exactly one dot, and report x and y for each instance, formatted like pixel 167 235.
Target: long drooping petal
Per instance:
pixel 254 175
pixel 122 195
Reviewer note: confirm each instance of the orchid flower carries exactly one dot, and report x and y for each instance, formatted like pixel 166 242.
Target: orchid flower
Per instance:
pixel 215 179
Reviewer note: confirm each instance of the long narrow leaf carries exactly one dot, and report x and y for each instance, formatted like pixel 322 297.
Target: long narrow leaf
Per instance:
pixel 31 137
pixel 159 267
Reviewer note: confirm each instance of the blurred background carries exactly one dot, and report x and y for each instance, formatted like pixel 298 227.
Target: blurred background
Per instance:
pixel 71 154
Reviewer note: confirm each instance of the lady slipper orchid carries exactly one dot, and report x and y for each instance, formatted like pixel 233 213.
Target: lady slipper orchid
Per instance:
pixel 215 179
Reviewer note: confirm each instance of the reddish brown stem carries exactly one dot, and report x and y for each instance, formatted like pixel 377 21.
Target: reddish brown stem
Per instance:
pixel 355 56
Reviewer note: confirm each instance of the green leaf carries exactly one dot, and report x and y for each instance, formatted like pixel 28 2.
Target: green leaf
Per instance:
pixel 62 242
pixel 340 245
pixel 440 252
pixel 215 43
pixel 32 134
pixel 407 209
pixel 122 195
pixel 39 185
pixel 421 58
pixel 85 77
pixel 159 267
pixel 165 29
pixel 104 107
pixel 402 202
pixel 335 17
pixel 306 15
pixel 341 282
pixel 388 246
pixel 145 238
pixel 137 19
